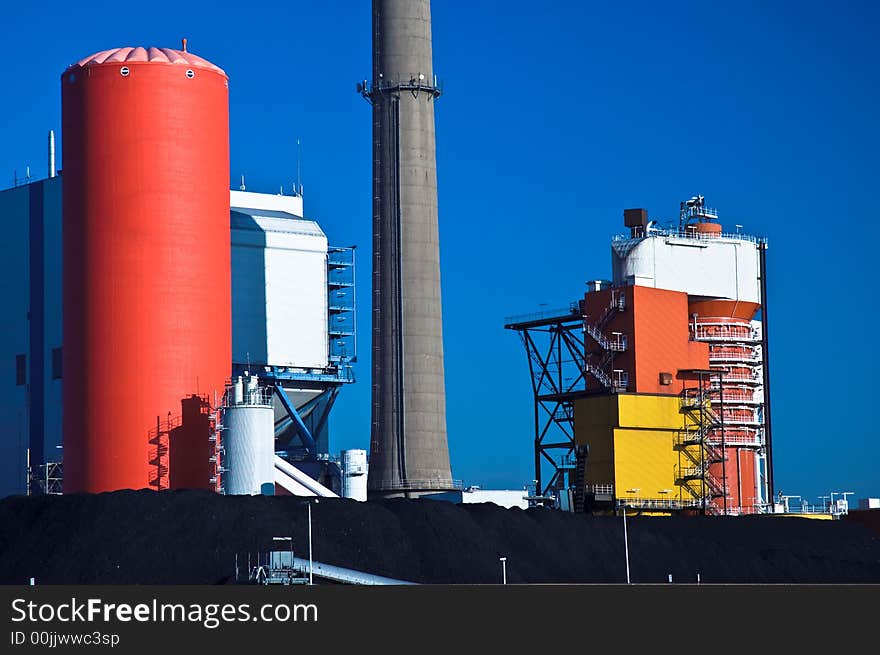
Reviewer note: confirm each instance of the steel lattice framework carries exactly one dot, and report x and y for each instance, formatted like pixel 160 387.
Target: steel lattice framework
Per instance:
pixel 554 343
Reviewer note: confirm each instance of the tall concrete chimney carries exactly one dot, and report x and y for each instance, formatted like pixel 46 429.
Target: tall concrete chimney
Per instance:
pixel 409 455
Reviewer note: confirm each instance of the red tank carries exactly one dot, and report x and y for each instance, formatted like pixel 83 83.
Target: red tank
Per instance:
pixel 147 318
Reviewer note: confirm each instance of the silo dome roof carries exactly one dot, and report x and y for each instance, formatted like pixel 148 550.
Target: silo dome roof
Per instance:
pixel 147 55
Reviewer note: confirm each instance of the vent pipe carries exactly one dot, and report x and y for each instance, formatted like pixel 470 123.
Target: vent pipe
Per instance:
pixel 51 153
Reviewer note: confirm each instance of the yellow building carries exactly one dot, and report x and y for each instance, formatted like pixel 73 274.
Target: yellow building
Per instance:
pixel 642 450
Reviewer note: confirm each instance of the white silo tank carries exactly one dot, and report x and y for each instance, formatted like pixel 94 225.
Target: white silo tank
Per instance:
pixel 249 444
pixel 354 474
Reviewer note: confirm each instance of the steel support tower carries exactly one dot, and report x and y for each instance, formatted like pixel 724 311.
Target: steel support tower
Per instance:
pixel 555 347
pixel 409 455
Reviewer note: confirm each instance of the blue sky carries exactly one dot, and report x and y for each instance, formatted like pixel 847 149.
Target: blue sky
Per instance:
pixel 555 117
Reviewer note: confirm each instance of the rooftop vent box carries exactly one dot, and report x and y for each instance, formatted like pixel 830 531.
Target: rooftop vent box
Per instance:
pixel 598 285
pixel 635 217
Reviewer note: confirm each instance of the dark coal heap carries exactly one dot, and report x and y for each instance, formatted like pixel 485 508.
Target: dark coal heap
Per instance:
pixel 192 537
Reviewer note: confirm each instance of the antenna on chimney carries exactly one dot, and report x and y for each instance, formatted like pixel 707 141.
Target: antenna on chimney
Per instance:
pixel 299 185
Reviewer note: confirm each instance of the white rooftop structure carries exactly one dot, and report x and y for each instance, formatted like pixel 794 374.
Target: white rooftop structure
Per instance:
pixel 279 283
pixel 724 266
pixel 250 200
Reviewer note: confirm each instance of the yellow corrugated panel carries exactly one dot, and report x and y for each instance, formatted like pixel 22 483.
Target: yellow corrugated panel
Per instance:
pixel 600 463
pixel 645 460
pixel 595 413
pixel 632 439
pixel 644 411
pixel 594 421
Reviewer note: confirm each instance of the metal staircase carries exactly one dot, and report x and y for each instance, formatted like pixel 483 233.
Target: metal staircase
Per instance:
pixel 698 452
pixel 218 456
pixel 617 343
pixel 580 478
pixel 617 304
pixel 597 372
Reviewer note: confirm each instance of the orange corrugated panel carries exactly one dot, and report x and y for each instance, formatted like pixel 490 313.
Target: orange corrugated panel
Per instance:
pixel 595 306
pixel 655 323
pixel 662 341
pixel 724 308
pixel 742 484
pixel 748 481
pixel 146 255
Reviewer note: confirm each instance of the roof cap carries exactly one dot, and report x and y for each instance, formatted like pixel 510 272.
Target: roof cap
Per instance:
pixel 147 55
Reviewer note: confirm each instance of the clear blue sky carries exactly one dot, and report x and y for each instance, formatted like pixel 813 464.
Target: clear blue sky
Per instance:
pixel 556 116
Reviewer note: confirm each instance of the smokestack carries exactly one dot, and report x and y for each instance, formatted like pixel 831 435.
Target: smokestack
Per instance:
pixel 51 153
pixel 409 455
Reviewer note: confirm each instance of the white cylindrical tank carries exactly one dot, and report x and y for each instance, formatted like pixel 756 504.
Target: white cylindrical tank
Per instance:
pixel 354 474
pixel 249 443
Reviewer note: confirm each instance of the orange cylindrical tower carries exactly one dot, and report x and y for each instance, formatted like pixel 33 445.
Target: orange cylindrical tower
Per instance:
pixel 734 350
pixel 147 318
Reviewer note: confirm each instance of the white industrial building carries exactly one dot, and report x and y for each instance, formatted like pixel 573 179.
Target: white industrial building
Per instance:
pixel 507 498
pixel 279 283
pixel 725 266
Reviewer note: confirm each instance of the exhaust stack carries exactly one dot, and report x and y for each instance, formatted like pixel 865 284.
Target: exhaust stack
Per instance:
pixel 409 455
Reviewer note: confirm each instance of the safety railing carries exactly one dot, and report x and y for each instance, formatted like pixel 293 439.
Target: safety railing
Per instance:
pixel 737 377
pixel 692 234
pixel 688 438
pixel 692 472
pixel 413 82
pixel 720 355
pixel 565 312
pixel 738 400
pixel 713 333
pixel 695 399
pixel 713 438
pixel 616 343
pixel 620 380
pixel 736 421
pixel 658 503
pixel 617 304
pixel 248 396
pixel 439 485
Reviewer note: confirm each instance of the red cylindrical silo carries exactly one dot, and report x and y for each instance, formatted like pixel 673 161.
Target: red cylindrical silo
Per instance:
pixel 147 318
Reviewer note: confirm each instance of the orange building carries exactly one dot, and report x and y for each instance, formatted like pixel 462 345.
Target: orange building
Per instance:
pixel 648 336
pixel 679 320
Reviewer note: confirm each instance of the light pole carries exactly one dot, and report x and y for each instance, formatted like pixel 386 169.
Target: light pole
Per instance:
pixel 503 561
pixel 625 538
pixel 311 571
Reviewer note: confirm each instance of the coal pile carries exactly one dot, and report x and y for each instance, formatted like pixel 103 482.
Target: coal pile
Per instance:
pixel 869 518
pixel 192 537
